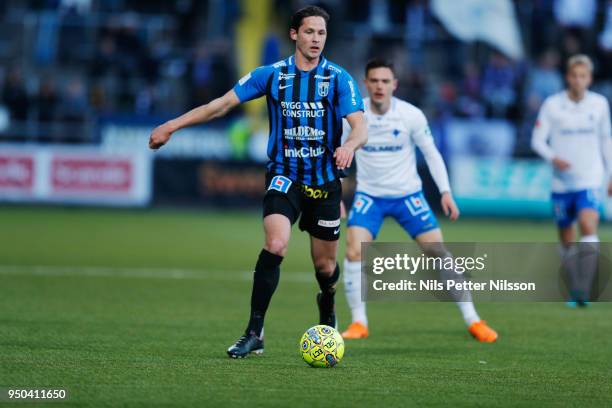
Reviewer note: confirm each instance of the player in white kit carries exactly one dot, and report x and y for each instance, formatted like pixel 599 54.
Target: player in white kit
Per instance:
pixel 388 185
pixel 572 133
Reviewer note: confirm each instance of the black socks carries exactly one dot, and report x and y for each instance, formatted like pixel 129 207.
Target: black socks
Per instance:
pixel 326 283
pixel 265 281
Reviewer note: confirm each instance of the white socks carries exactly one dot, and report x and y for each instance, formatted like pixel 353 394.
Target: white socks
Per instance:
pixel 352 289
pixel 469 312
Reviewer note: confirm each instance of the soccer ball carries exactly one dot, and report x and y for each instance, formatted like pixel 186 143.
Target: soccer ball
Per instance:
pixel 322 346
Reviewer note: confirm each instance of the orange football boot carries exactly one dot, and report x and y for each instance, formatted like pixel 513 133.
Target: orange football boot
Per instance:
pixel 356 330
pixel 482 332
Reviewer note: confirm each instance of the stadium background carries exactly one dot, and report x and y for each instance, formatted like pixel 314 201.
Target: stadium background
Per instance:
pixel 136 305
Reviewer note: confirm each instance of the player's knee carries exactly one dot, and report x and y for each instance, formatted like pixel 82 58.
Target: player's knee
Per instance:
pixel 325 265
pixel 588 227
pixel 276 246
pixel 588 221
pixel 436 251
pixel 353 252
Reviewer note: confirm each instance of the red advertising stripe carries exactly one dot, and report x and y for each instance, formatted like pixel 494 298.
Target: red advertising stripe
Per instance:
pixel 16 172
pixel 91 175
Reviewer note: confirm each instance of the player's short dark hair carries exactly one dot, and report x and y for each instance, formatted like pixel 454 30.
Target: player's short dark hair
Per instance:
pixel 379 63
pixel 308 11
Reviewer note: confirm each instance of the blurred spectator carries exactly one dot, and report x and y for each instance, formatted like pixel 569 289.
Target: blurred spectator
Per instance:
pixel 605 44
pixel 72 35
pixel 201 76
pixel 129 45
pixel 359 11
pixel 446 100
pixel 82 7
pixel 73 111
pixel 577 18
pixel 379 16
pixel 146 100
pixel 570 46
pixel 413 89
pixel 271 49
pixel 99 97
pixel 211 72
pixel 541 16
pixel 106 57
pixel 161 48
pixel 15 96
pixel 499 86
pixel 414 35
pixel 47 101
pixel 543 80
pixel 470 103
pixel 605 38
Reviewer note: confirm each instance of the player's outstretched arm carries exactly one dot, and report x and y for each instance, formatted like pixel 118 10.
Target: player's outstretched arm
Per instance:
pixel 202 114
pixel 356 138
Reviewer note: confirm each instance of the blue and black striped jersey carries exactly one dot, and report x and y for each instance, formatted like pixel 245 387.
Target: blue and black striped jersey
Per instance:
pixel 305 111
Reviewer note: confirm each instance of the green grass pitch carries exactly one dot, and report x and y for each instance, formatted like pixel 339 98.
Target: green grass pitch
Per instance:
pixel 137 308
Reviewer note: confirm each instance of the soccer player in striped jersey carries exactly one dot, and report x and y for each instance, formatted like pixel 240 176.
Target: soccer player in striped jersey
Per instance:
pixel 573 133
pixel 388 185
pixel 307 96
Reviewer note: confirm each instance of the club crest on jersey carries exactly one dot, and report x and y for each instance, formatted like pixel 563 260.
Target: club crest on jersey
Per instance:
pixel 416 205
pixel 280 183
pixel 361 204
pixel 323 89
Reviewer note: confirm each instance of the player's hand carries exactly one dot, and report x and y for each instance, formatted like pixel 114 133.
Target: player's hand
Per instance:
pixel 159 136
pixel 449 207
pixel 610 188
pixel 344 157
pixel 342 210
pixel 560 164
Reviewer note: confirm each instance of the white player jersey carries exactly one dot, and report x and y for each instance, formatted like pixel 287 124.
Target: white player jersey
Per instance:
pixel 579 133
pixel 386 165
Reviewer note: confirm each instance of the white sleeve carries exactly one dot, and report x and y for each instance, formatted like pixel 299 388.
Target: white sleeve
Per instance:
pixel 346 129
pixel 541 134
pixel 605 132
pixel 424 140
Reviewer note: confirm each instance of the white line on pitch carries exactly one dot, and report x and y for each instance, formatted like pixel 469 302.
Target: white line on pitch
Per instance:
pixel 142 273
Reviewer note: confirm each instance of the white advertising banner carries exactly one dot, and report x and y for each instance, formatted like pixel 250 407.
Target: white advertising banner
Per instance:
pixel 74 175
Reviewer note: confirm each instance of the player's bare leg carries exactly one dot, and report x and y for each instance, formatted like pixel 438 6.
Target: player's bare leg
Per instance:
pixel 431 243
pixel 566 235
pixel 327 272
pixel 352 283
pixel 277 229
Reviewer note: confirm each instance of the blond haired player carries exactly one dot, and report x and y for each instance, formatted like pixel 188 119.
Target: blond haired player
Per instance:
pixel 572 133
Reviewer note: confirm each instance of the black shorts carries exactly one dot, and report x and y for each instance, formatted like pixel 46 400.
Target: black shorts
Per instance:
pixel 319 206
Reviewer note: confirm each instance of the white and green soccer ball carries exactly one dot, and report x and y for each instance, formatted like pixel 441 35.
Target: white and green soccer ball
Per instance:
pixel 322 346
